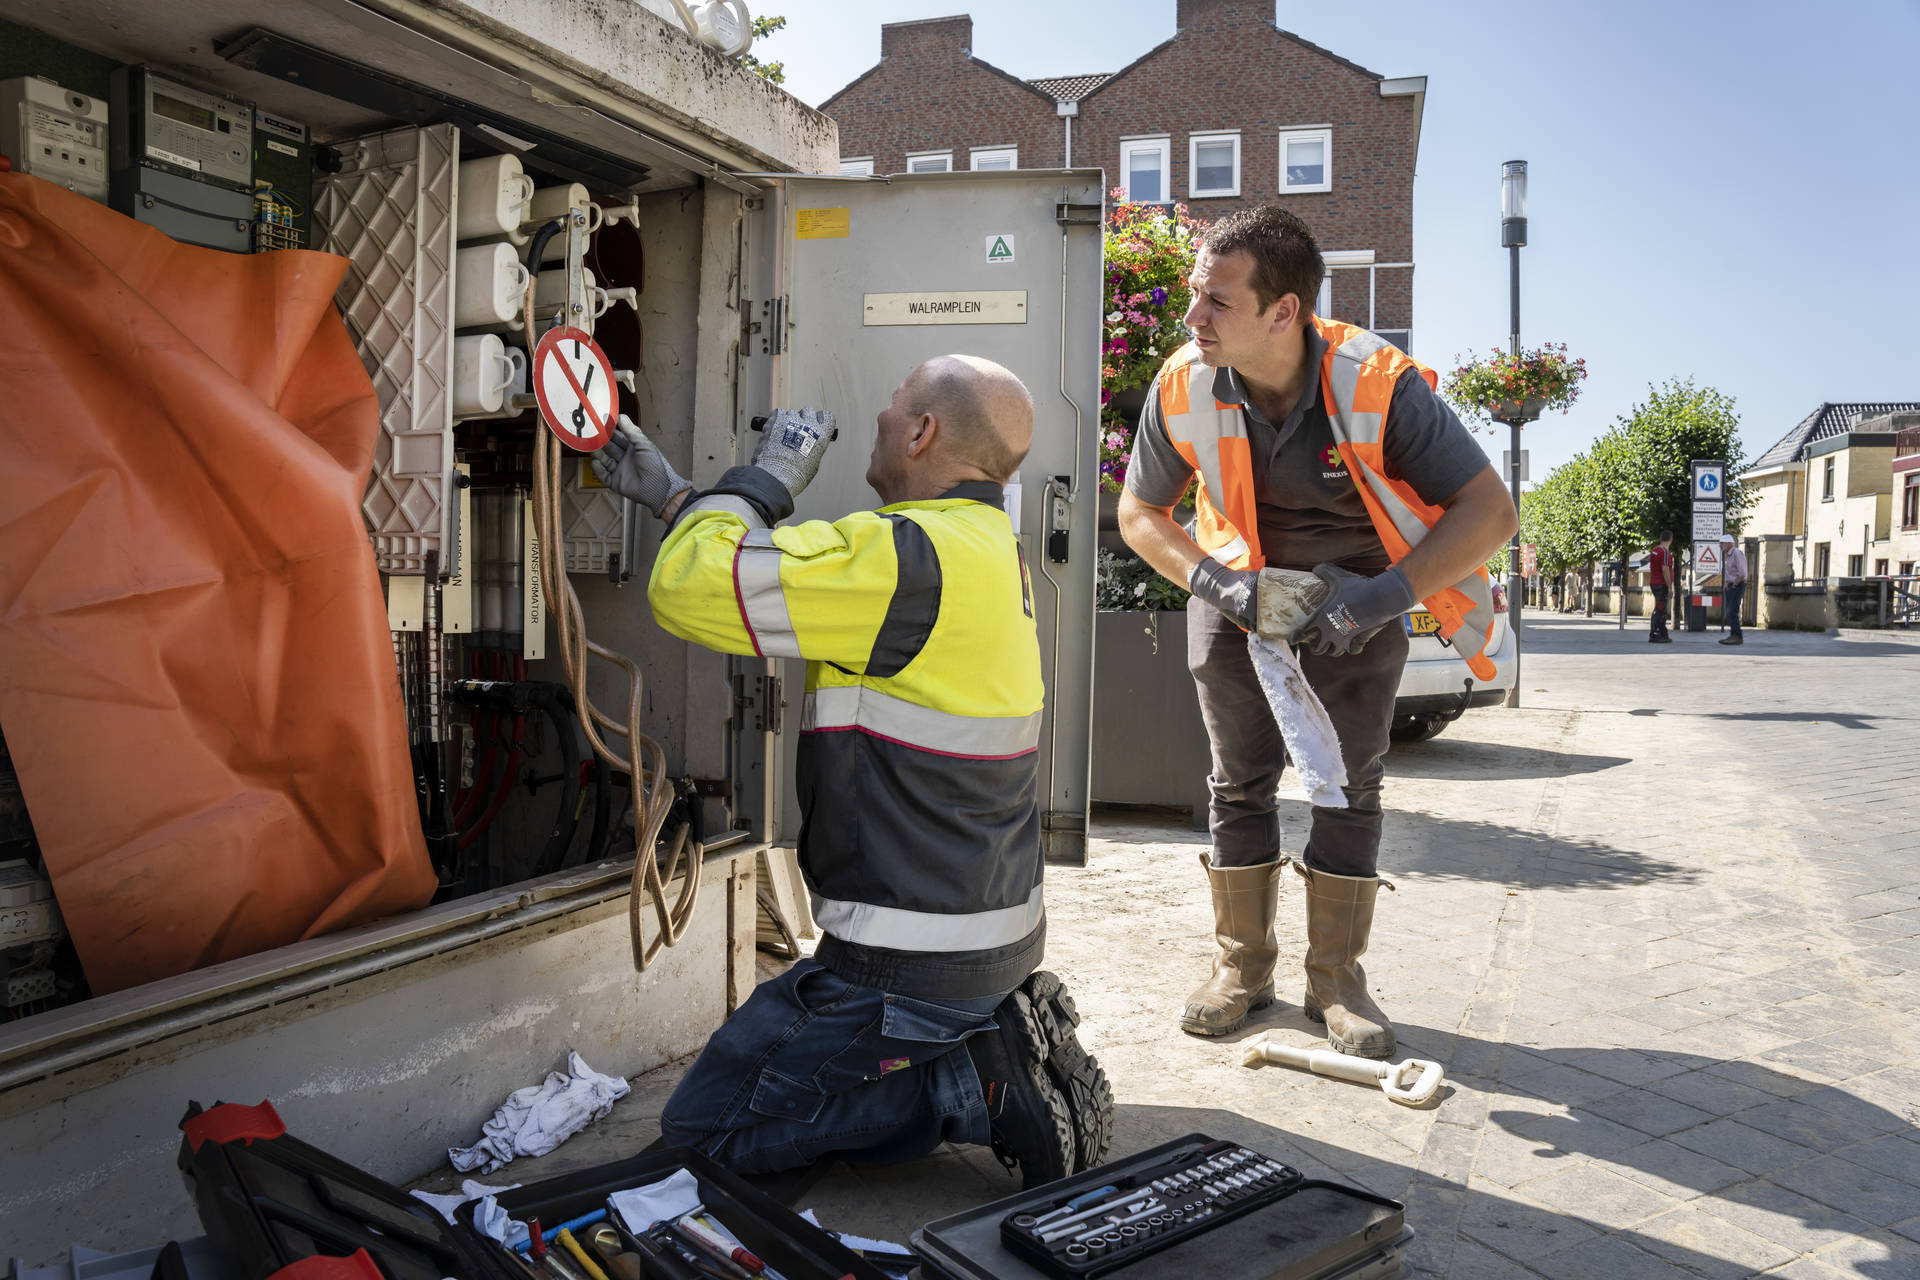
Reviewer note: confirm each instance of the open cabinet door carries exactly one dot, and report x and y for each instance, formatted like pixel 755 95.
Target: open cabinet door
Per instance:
pixel 880 275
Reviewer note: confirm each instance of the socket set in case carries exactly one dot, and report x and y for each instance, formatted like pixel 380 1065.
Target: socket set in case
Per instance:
pixel 1147 1210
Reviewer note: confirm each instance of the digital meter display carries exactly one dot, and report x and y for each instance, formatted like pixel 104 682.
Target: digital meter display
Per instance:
pixel 184 112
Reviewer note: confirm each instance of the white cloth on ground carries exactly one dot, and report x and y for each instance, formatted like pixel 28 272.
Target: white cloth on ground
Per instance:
pixel 670 1197
pixel 536 1119
pixel 1313 747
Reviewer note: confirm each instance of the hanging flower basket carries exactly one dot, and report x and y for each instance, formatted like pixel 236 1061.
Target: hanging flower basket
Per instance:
pixel 1503 387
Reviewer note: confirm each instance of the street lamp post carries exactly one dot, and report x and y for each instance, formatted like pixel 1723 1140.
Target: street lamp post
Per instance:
pixel 1513 234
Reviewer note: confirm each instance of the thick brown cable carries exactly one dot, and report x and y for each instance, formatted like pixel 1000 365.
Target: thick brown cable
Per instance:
pixel 650 791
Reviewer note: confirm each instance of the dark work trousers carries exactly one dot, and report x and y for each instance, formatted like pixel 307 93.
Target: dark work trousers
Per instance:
pixel 812 1066
pixel 1358 691
pixel 1659 625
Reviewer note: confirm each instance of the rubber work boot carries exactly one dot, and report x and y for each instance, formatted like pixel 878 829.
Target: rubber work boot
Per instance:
pixel 1031 1125
pixel 1073 1070
pixel 1244 899
pixel 1339 921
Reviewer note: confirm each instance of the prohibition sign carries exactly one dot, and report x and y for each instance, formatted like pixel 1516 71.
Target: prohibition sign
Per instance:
pixel 573 381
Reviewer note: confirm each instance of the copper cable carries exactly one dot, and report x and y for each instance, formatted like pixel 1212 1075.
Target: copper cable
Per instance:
pixel 651 791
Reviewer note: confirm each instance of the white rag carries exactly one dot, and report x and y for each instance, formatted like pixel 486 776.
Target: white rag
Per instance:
pixel 659 1201
pixel 536 1119
pixel 1312 744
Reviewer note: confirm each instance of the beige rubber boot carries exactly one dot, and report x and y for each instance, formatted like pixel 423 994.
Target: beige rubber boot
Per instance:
pixel 1339 921
pixel 1244 899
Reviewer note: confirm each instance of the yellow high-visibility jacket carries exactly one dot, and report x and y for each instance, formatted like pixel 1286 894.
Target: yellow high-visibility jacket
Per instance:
pixel 918 760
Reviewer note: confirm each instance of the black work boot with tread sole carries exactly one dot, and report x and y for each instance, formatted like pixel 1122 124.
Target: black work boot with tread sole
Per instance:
pixel 1032 1128
pixel 1079 1077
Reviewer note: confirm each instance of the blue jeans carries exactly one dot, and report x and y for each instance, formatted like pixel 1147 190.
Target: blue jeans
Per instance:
pixel 1734 596
pixel 811 1066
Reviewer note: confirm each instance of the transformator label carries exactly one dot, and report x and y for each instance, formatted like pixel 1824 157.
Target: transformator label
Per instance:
pixel 988 306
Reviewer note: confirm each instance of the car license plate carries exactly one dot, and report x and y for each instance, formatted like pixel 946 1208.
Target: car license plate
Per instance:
pixel 1422 624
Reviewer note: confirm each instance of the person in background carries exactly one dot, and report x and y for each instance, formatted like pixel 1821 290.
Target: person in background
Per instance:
pixel 1660 570
pixel 1733 572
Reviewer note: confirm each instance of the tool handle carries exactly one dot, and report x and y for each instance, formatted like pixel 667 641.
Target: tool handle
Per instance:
pixel 1413 1082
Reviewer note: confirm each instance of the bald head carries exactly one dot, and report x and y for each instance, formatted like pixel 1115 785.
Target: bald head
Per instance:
pixel 985 413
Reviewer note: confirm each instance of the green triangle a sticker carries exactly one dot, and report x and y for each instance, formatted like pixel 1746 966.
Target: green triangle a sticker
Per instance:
pixel 1000 249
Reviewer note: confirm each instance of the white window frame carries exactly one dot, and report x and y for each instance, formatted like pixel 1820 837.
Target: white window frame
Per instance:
pixel 976 154
pixel 1320 133
pixel 856 167
pixel 1194 190
pixel 1161 142
pixel 946 157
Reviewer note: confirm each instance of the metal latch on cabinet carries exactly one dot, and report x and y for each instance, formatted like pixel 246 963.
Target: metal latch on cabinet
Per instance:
pixel 760 701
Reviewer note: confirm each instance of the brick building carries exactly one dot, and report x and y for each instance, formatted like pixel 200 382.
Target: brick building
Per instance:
pixel 1280 119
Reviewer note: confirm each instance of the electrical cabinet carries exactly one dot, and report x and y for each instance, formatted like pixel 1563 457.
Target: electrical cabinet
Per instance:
pixel 752 287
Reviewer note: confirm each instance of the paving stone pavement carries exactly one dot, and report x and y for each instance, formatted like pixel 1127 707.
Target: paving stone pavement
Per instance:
pixel 1662 925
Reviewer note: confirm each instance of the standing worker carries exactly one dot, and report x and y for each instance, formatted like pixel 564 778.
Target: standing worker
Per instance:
pixel 1660 574
pixel 922 1016
pixel 1318 446
pixel 1733 572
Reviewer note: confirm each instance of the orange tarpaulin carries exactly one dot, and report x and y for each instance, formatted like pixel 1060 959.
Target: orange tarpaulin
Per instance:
pixel 197 682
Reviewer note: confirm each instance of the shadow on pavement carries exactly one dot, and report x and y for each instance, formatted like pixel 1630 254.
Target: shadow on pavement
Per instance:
pixel 1421 844
pixel 1465 759
pixel 1719 1143
pixel 1845 719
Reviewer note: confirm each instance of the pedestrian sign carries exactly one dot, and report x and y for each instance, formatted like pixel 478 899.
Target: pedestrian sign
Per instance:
pixel 573 381
pixel 1709 481
pixel 1000 249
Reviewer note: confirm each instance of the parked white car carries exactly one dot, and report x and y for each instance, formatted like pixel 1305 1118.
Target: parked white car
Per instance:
pixel 1437 688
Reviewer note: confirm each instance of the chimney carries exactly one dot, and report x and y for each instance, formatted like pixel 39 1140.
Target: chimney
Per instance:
pixel 928 36
pixel 1187 12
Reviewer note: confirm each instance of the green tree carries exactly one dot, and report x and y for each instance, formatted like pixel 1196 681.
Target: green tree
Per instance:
pixel 774 71
pixel 1678 423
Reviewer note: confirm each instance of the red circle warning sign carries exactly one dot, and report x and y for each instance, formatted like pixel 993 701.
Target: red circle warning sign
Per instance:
pixel 573 381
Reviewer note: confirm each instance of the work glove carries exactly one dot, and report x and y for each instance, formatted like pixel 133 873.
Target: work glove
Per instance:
pixel 630 465
pixel 1287 598
pixel 1233 592
pixel 1355 609
pixel 795 443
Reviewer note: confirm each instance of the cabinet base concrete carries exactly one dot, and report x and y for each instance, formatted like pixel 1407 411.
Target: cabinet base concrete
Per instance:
pixel 386 1070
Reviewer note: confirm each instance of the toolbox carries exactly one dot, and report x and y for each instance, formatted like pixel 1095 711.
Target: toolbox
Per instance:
pixel 1289 1228
pixel 269 1201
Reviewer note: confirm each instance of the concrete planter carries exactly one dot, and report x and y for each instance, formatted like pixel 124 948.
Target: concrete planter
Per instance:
pixel 1149 745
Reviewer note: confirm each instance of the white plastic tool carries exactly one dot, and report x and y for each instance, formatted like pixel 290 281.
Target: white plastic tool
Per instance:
pixel 1413 1082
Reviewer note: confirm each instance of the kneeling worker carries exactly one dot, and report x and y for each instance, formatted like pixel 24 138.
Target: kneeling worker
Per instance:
pixel 921 1017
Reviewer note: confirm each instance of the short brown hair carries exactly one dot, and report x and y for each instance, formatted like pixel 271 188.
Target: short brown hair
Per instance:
pixel 1285 258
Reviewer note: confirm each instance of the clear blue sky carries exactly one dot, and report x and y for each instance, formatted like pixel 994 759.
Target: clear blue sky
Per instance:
pixel 1730 191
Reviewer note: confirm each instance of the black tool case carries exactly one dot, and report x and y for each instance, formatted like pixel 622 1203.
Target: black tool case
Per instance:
pixel 268 1200
pixel 1315 1231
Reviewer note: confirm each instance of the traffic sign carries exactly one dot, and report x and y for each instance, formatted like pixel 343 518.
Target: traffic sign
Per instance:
pixel 1506 465
pixel 1709 480
pixel 1529 559
pixel 573 381
pixel 1708 524
pixel 1706 558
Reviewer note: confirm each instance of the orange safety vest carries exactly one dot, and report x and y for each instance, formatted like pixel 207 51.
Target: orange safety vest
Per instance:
pixel 1356 384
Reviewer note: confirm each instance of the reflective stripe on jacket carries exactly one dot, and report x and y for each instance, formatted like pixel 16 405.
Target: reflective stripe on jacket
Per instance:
pixel 1357 378
pixel 918 765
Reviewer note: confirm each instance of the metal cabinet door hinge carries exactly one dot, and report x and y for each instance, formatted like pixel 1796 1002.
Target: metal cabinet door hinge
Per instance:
pixel 760 701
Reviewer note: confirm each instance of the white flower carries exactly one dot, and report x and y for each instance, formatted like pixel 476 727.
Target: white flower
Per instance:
pixel 1153 351
pixel 1112 316
pixel 1139 590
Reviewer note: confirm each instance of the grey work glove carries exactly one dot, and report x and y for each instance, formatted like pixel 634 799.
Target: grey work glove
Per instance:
pixel 1355 609
pixel 796 442
pixel 1232 591
pixel 630 465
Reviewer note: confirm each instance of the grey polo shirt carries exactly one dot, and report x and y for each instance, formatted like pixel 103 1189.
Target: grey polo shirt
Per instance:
pixel 1309 510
